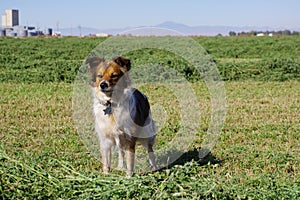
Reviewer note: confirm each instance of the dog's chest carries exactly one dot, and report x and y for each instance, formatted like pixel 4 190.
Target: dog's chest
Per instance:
pixel 105 122
pixel 107 128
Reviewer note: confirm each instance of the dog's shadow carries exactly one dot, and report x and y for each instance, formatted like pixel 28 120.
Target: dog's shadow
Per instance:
pixel 201 157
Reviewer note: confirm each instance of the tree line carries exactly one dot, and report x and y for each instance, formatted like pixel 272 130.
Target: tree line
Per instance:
pixel 265 33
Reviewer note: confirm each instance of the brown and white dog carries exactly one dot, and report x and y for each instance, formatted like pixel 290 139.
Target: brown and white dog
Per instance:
pixel 122 113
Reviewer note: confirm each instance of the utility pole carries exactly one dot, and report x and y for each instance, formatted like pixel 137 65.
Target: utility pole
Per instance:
pixel 79 30
pixel 57 26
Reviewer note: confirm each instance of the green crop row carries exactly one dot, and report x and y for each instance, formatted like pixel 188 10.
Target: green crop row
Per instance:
pixel 237 58
pixel 272 69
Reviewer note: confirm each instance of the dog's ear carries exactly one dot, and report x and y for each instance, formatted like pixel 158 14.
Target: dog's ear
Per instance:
pixel 123 62
pixel 93 63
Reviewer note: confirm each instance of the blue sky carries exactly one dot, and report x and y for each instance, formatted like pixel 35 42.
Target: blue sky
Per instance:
pixel 105 14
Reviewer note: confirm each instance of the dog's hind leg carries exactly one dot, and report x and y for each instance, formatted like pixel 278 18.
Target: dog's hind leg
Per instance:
pixel 130 162
pixel 121 160
pixel 148 144
pixel 130 156
pixel 152 159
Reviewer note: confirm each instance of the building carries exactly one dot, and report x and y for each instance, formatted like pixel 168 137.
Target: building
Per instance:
pixel 102 35
pixel 260 34
pixel 10 18
pixel 11 27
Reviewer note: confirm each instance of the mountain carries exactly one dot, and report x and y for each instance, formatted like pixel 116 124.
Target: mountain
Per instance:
pixel 173 25
pixel 78 31
pixel 208 30
pixel 182 29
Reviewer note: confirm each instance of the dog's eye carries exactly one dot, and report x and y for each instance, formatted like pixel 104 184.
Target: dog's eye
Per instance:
pixel 114 76
pixel 99 75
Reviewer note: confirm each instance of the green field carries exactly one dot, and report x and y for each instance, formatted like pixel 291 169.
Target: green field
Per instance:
pixel 256 157
pixel 238 58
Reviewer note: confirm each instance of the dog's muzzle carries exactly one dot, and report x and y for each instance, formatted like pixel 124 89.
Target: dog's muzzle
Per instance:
pixel 105 87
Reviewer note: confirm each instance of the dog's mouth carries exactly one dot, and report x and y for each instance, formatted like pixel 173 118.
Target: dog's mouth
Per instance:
pixel 107 90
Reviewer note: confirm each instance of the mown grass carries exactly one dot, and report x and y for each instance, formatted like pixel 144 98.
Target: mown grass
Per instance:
pixel 256 156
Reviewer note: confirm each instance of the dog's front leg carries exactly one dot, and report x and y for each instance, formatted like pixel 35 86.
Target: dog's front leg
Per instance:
pixel 106 159
pixel 121 153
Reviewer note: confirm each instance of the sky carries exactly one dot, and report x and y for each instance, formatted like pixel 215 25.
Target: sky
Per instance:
pixel 107 14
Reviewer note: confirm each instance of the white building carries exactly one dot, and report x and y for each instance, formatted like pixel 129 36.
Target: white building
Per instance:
pixel 260 35
pixel 10 18
pixel 101 35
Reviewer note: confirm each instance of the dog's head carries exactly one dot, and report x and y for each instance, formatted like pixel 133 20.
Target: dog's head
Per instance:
pixel 109 76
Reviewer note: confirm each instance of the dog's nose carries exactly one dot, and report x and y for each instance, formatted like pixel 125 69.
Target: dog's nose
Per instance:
pixel 103 85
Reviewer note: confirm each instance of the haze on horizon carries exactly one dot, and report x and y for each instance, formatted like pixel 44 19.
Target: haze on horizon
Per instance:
pixel 120 14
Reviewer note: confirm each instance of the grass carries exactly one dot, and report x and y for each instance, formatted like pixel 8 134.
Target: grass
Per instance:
pixel 42 60
pixel 256 156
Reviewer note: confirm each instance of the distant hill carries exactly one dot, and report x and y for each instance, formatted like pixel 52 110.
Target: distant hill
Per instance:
pixel 206 30
pixel 76 31
pixel 181 28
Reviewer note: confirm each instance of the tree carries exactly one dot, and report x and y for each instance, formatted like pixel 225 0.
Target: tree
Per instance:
pixel 232 33
pixel 286 32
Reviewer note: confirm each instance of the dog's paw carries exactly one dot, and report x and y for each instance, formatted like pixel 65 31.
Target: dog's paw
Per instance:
pixel 129 174
pixel 106 170
pixel 154 168
pixel 120 167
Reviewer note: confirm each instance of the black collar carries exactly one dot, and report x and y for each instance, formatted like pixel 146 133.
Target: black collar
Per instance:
pixel 109 107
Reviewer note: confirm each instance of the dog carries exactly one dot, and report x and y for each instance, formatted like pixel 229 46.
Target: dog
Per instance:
pixel 122 113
